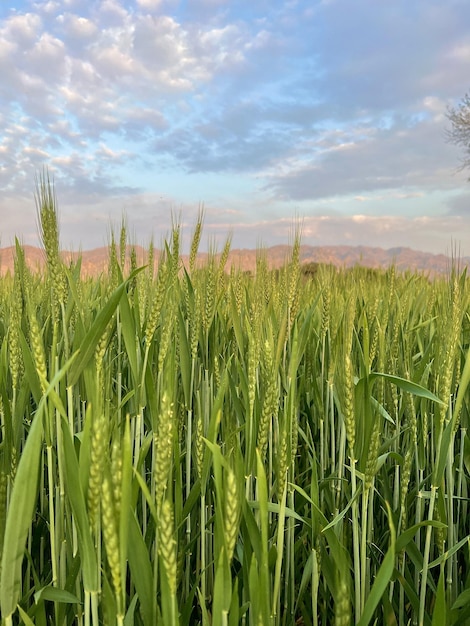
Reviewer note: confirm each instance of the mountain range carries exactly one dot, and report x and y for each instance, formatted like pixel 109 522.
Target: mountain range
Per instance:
pixel 95 262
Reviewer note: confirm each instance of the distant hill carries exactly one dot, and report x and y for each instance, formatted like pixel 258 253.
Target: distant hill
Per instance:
pixel 94 262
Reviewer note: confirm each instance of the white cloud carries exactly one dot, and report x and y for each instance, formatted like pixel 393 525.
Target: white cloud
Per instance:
pixel 149 5
pixel 36 152
pixel 460 51
pixel 436 106
pixel 109 91
pixel 22 29
pixel 113 62
pixel 76 26
pixel 104 153
pixel 113 11
pixel 47 7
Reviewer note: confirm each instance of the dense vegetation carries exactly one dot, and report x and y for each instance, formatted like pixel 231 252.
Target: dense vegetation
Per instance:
pixel 195 446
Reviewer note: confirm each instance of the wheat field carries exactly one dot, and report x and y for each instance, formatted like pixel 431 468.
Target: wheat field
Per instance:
pixel 199 445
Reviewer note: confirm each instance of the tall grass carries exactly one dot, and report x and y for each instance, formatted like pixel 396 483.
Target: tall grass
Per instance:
pixel 188 445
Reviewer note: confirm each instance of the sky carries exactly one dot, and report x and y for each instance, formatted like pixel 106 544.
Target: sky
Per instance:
pixel 324 115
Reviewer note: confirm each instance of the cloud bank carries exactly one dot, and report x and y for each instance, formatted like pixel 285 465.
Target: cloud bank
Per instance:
pixel 263 111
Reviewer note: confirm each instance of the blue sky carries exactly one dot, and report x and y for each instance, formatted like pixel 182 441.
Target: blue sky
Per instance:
pixel 330 112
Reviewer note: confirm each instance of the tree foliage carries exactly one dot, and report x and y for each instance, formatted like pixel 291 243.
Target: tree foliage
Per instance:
pixel 459 133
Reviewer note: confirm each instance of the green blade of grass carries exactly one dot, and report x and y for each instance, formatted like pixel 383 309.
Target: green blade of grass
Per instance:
pixel 22 501
pixel 91 339
pixel 126 499
pixel 264 591
pixel 443 558
pixel 406 385
pixel 439 615
pixel 130 334
pixel 141 570
pixel 463 385
pixel 382 578
pixel 55 595
pixel 77 503
pixel 25 617
pixel 222 589
pixel 20 513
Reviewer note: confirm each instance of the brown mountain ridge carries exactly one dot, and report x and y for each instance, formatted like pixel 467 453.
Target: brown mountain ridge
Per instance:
pixel 95 262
